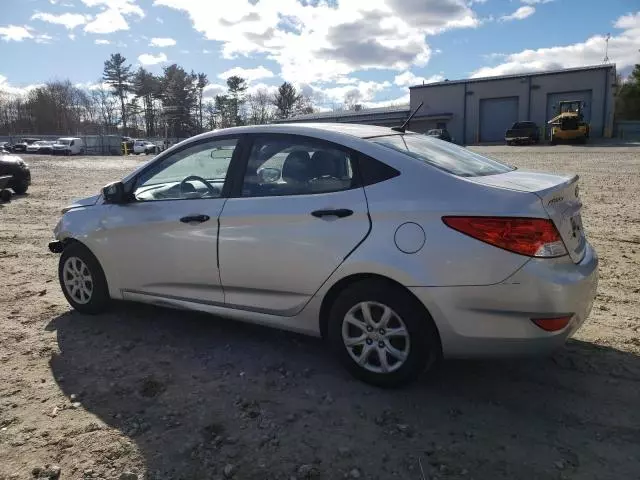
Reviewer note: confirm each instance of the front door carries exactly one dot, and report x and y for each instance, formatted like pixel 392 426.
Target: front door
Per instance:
pixel 299 214
pixel 165 242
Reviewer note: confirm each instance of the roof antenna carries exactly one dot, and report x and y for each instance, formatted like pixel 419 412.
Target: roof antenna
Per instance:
pixel 606 50
pixel 403 127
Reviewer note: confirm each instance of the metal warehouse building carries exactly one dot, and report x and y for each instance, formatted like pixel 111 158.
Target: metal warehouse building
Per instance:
pixel 482 109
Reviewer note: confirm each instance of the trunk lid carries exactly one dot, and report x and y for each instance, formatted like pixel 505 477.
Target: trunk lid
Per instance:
pixel 560 198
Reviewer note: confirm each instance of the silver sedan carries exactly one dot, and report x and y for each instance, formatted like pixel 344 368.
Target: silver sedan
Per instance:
pixel 396 247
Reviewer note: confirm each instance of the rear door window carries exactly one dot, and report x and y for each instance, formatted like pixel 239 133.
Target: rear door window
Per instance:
pixel 446 156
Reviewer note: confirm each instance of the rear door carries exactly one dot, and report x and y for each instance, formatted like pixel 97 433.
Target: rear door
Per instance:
pixel 297 213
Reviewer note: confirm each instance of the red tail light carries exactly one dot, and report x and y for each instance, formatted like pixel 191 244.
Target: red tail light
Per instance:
pixel 534 237
pixel 552 324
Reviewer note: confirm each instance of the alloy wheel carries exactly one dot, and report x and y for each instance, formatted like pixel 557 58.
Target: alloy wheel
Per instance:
pixel 77 280
pixel 375 337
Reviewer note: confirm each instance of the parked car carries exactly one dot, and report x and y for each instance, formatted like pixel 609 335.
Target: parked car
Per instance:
pixel 522 132
pixel 5 147
pixel 68 146
pixel 41 146
pixel 328 230
pixel 441 133
pixel 144 146
pixel 16 167
pixel 151 149
pixel 21 146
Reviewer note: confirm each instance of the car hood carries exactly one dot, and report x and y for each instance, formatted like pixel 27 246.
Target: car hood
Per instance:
pixel 82 202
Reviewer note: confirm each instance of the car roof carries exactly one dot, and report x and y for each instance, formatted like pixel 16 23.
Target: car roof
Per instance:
pixel 69 138
pixel 355 130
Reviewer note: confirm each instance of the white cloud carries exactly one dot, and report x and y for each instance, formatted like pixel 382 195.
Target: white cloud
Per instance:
pixel 112 18
pixel 214 89
pixel 358 91
pixel 250 74
pixel 102 41
pixel 408 79
pixel 14 33
pixel 150 59
pixel 162 42
pixel 71 36
pixel 341 37
pixel 205 51
pixel 68 20
pixel 623 50
pixel 7 88
pixel 520 14
pixel 536 2
pixel 159 20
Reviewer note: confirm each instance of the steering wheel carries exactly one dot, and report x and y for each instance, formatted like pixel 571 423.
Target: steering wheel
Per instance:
pixel 212 190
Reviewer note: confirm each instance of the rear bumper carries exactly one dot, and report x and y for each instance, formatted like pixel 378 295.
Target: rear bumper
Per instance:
pixel 495 320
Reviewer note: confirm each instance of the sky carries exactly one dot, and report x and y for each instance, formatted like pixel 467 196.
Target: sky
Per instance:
pixel 364 51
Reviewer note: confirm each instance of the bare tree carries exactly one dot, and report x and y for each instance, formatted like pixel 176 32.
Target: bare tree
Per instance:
pixel 260 107
pixel 107 106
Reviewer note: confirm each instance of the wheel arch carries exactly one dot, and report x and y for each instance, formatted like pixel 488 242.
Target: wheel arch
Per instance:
pixel 333 292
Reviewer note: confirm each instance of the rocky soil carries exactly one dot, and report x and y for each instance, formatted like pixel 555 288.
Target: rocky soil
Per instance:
pixel 145 392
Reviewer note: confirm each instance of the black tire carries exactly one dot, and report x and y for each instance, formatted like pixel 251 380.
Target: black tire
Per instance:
pixel 99 299
pixel 21 187
pixel 5 195
pixel 424 349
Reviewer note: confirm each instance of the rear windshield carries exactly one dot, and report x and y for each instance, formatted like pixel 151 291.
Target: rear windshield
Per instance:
pixel 443 155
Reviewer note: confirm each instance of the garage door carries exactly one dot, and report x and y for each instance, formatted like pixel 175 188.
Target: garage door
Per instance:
pixel 496 117
pixel 583 96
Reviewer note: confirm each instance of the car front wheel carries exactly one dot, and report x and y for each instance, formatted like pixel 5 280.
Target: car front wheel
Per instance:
pixel 382 334
pixel 82 280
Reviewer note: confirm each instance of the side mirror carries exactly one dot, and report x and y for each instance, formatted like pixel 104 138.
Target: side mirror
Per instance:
pixel 269 175
pixel 114 193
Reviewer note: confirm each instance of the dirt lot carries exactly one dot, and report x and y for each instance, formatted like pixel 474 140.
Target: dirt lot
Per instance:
pixel 172 395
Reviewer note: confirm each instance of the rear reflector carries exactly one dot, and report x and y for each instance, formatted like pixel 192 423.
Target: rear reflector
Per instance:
pixel 552 324
pixel 534 237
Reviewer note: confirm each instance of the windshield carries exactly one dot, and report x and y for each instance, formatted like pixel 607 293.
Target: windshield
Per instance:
pixel 434 132
pixel 443 155
pixel 62 141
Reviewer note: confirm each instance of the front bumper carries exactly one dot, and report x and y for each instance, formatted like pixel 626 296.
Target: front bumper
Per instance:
pixel 56 246
pixel 495 320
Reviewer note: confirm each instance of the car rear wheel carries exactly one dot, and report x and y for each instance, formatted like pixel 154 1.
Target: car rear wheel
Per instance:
pixel 82 280
pixel 382 334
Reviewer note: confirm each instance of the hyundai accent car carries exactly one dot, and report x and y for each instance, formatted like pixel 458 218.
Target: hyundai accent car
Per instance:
pixel 397 247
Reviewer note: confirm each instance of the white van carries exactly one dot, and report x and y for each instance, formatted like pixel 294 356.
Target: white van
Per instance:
pixel 68 146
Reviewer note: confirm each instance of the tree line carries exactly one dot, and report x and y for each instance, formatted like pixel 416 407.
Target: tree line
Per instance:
pixel 628 99
pixel 139 103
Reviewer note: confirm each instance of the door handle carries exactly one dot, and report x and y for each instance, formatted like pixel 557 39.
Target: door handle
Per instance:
pixel 338 212
pixel 195 219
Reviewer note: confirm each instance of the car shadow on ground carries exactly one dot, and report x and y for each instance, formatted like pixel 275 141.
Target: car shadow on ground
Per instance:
pixel 197 393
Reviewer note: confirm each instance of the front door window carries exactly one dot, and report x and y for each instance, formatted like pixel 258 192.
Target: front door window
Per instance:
pixel 198 171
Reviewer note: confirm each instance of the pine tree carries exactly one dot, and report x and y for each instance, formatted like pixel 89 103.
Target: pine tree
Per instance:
pixel 118 76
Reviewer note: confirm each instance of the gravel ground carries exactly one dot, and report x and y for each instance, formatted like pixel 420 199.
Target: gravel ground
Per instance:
pixel 144 392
